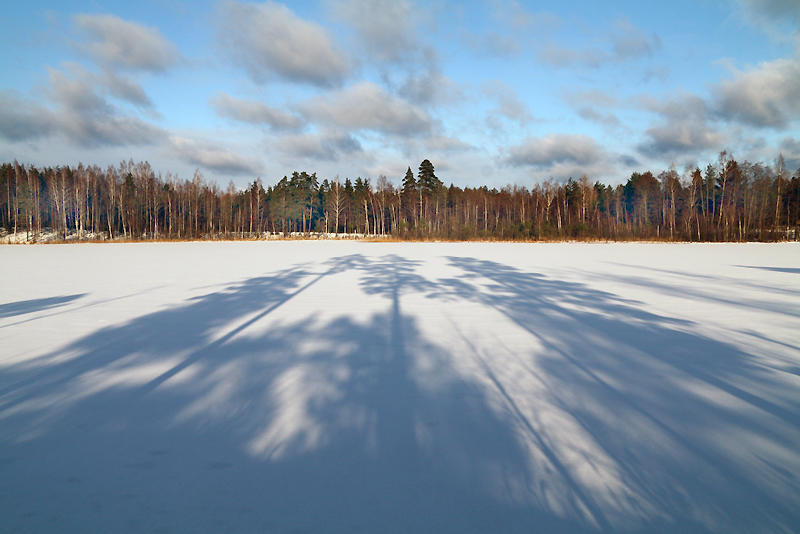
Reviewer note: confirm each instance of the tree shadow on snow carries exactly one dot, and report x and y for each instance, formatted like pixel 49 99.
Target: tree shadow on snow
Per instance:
pixel 186 419
pixel 12 309
pixel 708 292
pixel 788 270
pixel 222 415
pixel 698 434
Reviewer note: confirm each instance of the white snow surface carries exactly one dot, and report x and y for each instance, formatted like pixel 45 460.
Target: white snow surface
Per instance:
pixel 384 387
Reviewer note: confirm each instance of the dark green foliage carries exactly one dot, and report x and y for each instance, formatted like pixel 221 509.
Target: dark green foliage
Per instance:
pixel 427 181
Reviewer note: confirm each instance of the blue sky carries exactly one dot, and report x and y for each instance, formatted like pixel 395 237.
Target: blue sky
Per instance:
pixel 494 92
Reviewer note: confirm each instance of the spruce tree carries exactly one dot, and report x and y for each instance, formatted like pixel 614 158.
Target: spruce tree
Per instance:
pixel 409 182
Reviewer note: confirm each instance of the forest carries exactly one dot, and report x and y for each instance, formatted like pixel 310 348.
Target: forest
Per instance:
pixel 726 201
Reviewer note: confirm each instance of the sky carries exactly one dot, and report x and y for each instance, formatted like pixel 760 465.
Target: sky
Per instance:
pixel 492 92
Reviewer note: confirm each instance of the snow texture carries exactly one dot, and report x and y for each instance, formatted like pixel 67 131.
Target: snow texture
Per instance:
pixel 356 387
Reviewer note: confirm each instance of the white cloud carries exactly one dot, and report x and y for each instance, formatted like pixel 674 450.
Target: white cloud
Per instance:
pixel 683 128
pixel 604 118
pixel 88 119
pixel 79 110
pixel 252 112
pixel 592 105
pixel 124 88
pixel 386 28
pixel 366 106
pixel 429 85
pixel 446 144
pixel 625 42
pixel 325 146
pixel 763 97
pixel 778 19
pixel 22 119
pixel 546 152
pixel 509 106
pixel 269 40
pixel 628 41
pixel 117 43
pixel 213 157
pixel 790 148
pixel 678 138
pixel 777 9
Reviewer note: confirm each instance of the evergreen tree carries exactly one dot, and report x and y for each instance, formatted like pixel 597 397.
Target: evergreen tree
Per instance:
pixel 431 192
pixel 408 195
pixel 428 183
pixel 349 197
pixel 361 198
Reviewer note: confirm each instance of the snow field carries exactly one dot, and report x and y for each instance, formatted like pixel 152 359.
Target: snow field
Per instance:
pixel 385 387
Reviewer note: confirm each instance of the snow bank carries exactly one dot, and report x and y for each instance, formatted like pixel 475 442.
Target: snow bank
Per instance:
pixel 385 387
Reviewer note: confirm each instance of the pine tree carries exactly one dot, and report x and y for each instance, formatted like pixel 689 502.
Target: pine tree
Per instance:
pixel 409 194
pixel 430 188
pixel 428 183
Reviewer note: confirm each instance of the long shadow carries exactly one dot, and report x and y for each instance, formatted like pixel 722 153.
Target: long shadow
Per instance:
pixel 35 305
pixel 789 270
pixel 239 411
pixel 700 433
pixel 711 296
pixel 183 333
pixel 225 414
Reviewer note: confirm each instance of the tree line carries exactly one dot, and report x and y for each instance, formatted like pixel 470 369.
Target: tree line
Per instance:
pixel 726 201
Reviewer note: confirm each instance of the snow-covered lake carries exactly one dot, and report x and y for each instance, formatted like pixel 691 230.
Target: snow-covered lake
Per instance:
pixel 369 387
